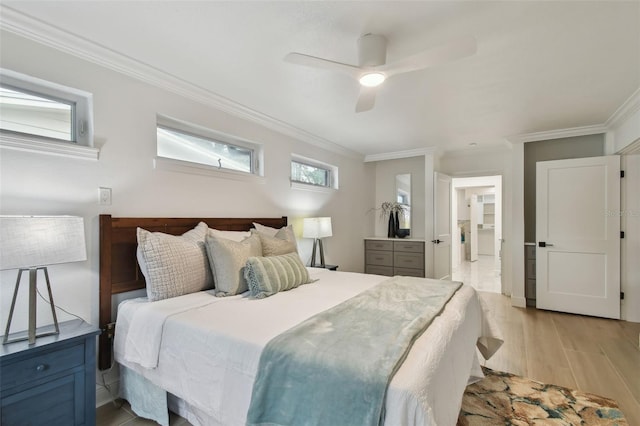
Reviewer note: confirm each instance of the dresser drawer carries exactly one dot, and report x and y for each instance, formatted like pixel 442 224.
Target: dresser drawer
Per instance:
pixel 408 260
pixel 409 246
pixel 379 258
pixel 42 365
pixel 378 245
pixel 530 252
pixel 409 272
pixel 379 270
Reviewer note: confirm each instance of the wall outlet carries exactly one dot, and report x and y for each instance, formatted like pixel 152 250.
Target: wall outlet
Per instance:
pixel 105 196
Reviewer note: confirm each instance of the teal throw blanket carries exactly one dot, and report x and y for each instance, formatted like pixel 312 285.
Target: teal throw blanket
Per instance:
pixel 334 368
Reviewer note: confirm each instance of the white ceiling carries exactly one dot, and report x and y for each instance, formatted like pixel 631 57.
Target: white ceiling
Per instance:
pixel 540 66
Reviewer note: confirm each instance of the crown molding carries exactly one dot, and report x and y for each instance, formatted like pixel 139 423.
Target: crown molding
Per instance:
pixel 44 33
pixel 557 134
pixel 400 154
pixel 628 108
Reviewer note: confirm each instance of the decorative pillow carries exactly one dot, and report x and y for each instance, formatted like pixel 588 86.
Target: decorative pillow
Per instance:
pixel 229 235
pixel 174 265
pixel 227 259
pixel 268 275
pixel 284 233
pixel 274 246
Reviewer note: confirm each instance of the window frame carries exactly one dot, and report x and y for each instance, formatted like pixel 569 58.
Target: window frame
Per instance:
pixel 81 144
pixel 332 172
pixel 201 132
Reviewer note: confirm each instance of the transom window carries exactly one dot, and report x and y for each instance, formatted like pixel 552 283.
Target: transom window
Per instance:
pixel 32 109
pixel 194 144
pixel 311 172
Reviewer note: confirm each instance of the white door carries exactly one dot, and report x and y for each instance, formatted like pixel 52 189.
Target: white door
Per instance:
pixel 475 206
pixel 441 227
pixel 578 236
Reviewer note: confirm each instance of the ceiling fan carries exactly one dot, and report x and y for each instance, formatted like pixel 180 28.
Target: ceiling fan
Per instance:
pixel 372 69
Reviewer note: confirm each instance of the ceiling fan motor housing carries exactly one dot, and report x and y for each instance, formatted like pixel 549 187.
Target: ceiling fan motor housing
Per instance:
pixel 372 50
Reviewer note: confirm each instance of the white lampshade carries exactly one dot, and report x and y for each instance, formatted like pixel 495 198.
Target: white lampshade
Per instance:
pixel 316 227
pixel 32 241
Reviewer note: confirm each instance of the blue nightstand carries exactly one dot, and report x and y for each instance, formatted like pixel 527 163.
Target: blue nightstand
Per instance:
pixel 52 381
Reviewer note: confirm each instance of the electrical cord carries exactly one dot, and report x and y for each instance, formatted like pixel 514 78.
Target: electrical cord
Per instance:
pixel 117 402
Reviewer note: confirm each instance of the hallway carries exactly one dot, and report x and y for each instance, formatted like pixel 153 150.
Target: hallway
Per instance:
pixel 481 274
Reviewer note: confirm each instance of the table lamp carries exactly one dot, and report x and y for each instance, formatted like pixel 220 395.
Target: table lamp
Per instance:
pixel 317 228
pixel 31 243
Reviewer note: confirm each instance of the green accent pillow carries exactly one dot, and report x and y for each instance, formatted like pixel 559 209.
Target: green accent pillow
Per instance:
pixel 227 259
pixel 266 276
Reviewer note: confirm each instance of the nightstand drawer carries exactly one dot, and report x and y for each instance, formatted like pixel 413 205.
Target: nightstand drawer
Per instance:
pixel 408 260
pixel 409 272
pixel 41 366
pixel 379 258
pixel 409 246
pixel 54 403
pixel 378 245
pixel 379 270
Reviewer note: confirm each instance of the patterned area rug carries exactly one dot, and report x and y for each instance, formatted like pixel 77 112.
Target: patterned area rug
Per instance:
pixel 506 399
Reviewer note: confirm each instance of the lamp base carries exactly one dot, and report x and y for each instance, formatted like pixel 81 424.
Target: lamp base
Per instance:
pixel 31 331
pixel 317 242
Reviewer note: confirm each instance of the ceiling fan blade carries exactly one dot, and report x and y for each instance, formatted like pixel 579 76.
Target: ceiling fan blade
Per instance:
pixel 457 49
pixel 366 99
pixel 312 61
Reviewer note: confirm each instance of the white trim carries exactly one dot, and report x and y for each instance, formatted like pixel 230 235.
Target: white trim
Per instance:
pixel 518 302
pixel 632 148
pixel 628 108
pixel 61 149
pixel 171 165
pixel 559 133
pixel 400 154
pixel 41 32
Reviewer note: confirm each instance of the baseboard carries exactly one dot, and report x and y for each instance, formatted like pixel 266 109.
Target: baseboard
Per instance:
pixel 518 302
pixel 107 386
pixel 103 396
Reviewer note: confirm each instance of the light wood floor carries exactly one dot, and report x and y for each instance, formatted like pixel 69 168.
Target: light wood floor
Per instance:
pixel 591 354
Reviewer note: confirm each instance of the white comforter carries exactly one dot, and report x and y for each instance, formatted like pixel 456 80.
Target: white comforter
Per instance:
pixel 206 350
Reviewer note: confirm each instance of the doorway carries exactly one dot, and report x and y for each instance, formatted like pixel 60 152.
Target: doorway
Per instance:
pixel 476 243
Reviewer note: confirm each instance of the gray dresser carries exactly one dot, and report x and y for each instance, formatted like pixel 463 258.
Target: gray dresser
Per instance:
pixel 530 273
pixel 394 257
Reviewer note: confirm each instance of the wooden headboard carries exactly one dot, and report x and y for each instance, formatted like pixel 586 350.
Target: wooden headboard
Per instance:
pixel 119 271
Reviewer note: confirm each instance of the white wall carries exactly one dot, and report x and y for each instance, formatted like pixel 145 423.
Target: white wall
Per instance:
pixel 476 162
pixel 125 131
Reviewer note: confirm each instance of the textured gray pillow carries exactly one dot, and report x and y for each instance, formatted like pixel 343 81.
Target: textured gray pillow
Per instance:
pixel 284 233
pixel 227 259
pixel 268 275
pixel 174 265
pixel 274 246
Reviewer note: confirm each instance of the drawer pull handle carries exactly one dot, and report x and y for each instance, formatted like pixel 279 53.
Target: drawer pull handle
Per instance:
pixel 41 367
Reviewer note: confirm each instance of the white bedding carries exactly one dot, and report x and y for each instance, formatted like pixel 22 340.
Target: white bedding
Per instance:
pixel 206 350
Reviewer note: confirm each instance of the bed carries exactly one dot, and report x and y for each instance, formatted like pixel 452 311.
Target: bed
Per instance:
pixel 199 354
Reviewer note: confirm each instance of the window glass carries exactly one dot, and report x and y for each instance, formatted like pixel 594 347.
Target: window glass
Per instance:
pixel 184 146
pixel 310 174
pixel 29 113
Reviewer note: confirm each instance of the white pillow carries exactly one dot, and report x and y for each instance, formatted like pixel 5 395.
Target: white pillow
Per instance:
pixel 229 235
pixel 173 265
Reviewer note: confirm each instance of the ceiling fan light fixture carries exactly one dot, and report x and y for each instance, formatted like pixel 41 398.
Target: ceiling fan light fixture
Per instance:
pixel 372 79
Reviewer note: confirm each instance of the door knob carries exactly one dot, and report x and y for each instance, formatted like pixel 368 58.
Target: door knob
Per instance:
pixel 436 241
pixel 544 244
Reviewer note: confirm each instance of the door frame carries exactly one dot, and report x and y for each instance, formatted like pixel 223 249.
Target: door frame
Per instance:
pixel 496 180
